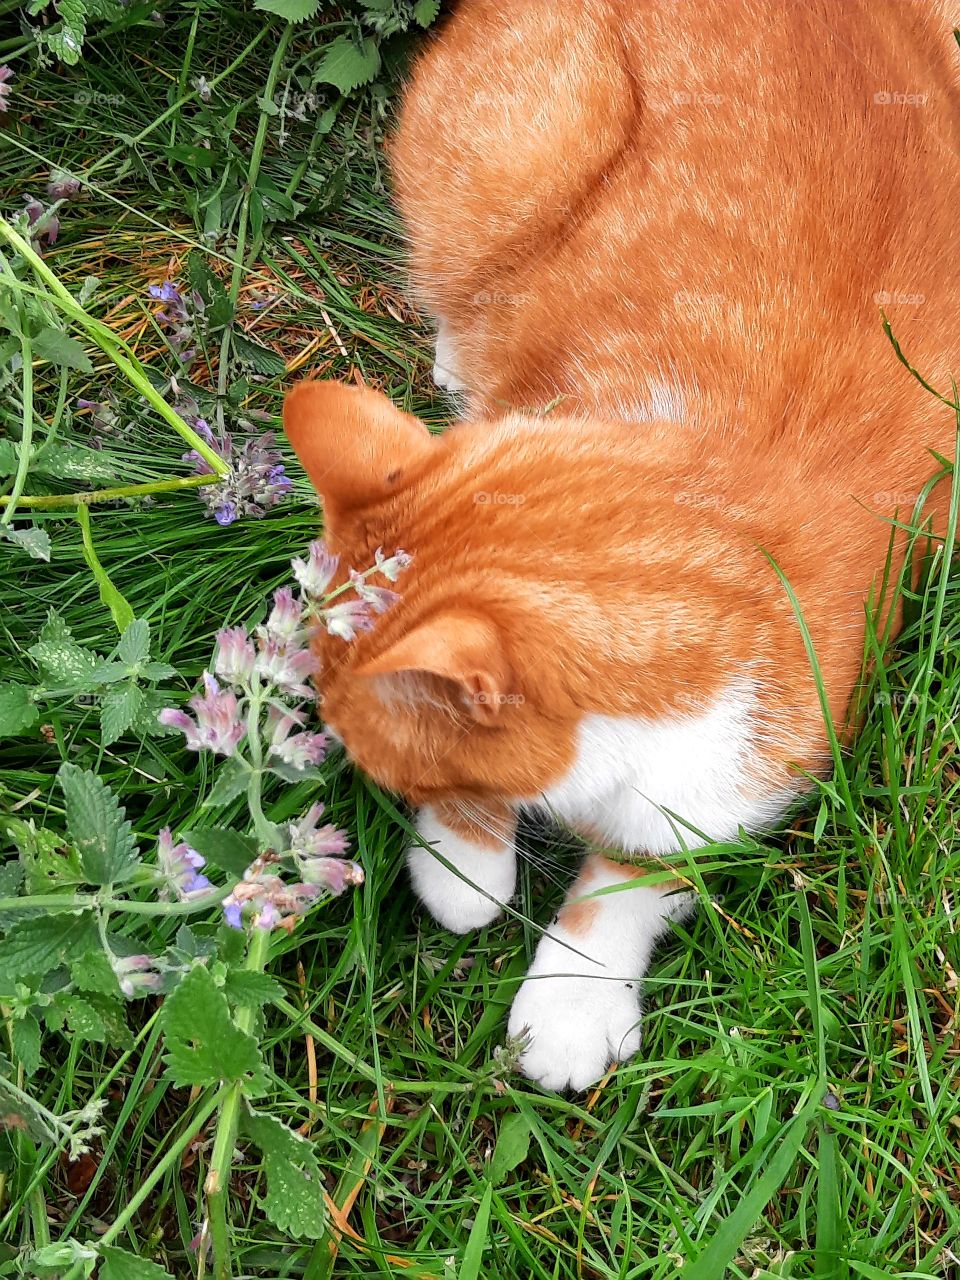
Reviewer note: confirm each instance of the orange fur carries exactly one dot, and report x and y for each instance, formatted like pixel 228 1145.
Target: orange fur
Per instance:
pixel 683 207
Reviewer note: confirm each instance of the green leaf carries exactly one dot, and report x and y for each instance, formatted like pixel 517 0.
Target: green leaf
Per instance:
pixel 119 608
pixel 294 1198
pixel 222 848
pixel 59 657
pixel 473 1252
pixel 252 990
pixel 347 65
pixel 48 861
pixel 258 357
pixel 30 538
pixel 231 781
pixel 203 1042
pixel 119 1264
pixel 83 1019
pixel 62 350
pixel 97 826
pixel 35 947
pixel 292 10
pixel 18 711
pixel 134 646
pixel 425 11
pixel 513 1144
pixel 25 1035
pixel 119 709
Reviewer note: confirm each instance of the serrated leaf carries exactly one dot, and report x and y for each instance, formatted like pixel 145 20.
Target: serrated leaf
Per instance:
pixel 72 462
pixel 252 990
pixel 77 1013
pixel 292 10
pixel 222 848
pixel 11 878
pixel 425 11
pixel 25 1036
pixel 513 1144
pixel 231 781
pixel 119 1264
pixel 294 1198
pixel 98 827
pixel 48 861
pixel 64 662
pixel 60 349
pixel 134 644
pixel 119 709
pixel 91 971
pixel 35 947
pixel 258 357
pixel 30 538
pixel 18 711
pixel 347 65
pixel 203 1042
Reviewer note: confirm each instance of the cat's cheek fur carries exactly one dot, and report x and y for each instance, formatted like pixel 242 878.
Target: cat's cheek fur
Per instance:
pixel 578 1010
pixel 488 868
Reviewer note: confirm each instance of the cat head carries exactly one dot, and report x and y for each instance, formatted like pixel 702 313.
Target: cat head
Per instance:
pixel 437 700
pixel 521 611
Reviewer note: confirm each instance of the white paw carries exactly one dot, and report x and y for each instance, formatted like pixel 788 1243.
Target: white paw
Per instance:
pixel 576 1028
pixel 460 904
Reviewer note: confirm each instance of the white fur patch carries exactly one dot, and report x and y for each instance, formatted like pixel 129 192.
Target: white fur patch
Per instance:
pixel 581 1012
pixel 695 764
pixel 460 904
pixel 445 372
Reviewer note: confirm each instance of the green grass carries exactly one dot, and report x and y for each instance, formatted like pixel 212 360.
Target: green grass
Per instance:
pixel 826 960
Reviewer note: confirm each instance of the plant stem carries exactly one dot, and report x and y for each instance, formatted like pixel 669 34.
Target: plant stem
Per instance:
pixel 113 346
pixel 26 435
pixel 156 1175
pixel 217 1183
pixel 93 901
pixel 53 500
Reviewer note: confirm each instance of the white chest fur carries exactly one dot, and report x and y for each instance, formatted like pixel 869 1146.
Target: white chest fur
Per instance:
pixel 631 774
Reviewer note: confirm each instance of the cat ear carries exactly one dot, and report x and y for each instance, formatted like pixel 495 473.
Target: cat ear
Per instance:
pixel 458 646
pixel 354 444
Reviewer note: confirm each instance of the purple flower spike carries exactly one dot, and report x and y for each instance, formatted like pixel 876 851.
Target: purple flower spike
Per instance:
pixel 392 568
pixel 316 572
pixel 62 185
pixel 218 726
pixel 233 913
pixel 235 656
pixel 284 666
pixel 284 621
pixel 331 874
pixel 378 598
pixel 6 75
pixel 137 975
pixel 180 866
pixel 226 513
pixel 347 619
pixel 309 840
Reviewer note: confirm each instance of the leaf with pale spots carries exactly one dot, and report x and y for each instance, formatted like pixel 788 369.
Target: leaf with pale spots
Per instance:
pixel 294 1198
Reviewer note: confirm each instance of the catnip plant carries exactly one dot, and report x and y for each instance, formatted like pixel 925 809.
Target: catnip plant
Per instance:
pixel 66 962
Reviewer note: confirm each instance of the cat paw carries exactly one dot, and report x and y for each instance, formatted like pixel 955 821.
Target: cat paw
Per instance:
pixel 575 1028
pixel 461 903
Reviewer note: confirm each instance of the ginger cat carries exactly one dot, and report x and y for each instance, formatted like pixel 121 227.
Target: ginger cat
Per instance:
pixel 671 222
